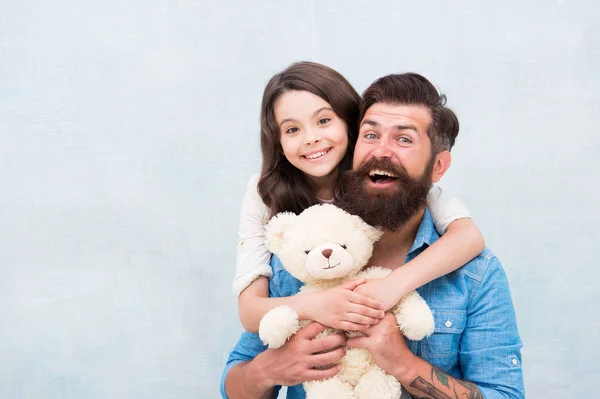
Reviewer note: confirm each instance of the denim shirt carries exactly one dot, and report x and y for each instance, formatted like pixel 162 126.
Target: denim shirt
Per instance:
pixel 475 337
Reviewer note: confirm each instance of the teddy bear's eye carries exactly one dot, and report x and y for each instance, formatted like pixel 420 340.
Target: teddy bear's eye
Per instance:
pixel 343 246
pixel 306 252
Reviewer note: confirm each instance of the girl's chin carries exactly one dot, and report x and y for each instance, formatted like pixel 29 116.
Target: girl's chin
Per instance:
pixel 319 175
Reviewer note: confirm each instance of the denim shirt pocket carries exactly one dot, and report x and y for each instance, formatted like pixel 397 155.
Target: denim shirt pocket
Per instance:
pixel 441 348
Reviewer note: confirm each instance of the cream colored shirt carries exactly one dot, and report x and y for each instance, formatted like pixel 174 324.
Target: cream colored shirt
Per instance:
pixel 253 257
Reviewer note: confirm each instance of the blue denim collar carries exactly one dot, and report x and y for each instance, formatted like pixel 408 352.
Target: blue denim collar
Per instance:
pixel 426 235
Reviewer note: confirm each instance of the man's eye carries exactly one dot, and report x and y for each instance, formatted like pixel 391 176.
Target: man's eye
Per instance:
pixel 292 130
pixel 323 121
pixel 405 140
pixel 371 136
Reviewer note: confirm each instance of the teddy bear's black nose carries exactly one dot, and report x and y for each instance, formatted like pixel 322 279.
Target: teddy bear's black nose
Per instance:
pixel 327 252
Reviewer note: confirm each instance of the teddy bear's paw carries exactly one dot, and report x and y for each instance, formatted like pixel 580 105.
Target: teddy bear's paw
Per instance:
pixel 377 384
pixel 414 318
pixel 277 326
pixel 375 272
pixel 329 389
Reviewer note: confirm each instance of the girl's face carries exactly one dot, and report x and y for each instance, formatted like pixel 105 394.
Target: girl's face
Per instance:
pixel 313 137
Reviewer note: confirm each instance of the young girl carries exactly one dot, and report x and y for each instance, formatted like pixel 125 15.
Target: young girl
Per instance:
pixel 309 126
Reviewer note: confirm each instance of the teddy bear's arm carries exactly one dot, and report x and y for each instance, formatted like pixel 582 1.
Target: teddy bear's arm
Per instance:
pixel 414 316
pixel 278 325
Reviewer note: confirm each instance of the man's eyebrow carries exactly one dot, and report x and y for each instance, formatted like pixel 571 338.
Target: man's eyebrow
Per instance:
pixel 407 127
pixel 396 127
pixel 370 123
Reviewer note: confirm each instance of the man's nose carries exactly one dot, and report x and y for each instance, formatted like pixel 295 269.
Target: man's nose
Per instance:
pixel 382 150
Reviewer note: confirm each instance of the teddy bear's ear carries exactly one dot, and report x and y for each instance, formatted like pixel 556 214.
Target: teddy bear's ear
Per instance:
pixel 371 232
pixel 276 228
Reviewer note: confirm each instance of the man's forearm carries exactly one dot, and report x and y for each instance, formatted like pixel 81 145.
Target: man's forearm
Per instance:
pixel 246 381
pixel 424 381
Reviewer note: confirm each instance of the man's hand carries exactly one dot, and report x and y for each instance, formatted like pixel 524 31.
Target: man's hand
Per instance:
pixel 342 308
pixel 390 352
pixel 386 344
pixel 297 360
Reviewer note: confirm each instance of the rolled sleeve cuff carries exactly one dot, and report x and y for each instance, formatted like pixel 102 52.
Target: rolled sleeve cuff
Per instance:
pixel 242 282
pixel 247 348
pixel 504 380
pixel 224 376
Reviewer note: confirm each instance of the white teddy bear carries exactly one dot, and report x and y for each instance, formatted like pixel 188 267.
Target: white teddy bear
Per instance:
pixel 324 247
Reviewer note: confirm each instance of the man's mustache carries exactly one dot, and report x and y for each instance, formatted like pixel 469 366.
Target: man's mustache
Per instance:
pixel 384 164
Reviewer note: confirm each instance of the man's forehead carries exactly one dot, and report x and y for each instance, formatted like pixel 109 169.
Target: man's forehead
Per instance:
pixel 386 114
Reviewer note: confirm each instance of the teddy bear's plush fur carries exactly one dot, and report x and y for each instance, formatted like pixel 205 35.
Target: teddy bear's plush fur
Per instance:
pixel 324 247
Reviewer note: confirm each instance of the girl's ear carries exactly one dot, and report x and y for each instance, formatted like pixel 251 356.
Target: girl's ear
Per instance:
pixel 276 228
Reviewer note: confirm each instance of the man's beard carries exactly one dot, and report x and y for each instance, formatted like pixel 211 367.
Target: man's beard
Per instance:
pixel 389 208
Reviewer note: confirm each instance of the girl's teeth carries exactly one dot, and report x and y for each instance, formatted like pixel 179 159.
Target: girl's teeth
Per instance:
pixel 317 155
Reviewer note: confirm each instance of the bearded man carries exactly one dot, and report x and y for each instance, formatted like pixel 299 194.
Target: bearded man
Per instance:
pixel 406 133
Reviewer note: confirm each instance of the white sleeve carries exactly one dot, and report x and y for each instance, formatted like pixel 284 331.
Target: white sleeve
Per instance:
pixel 252 255
pixel 444 209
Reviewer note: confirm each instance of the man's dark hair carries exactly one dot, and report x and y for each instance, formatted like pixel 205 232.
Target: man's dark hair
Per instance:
pixel 414 89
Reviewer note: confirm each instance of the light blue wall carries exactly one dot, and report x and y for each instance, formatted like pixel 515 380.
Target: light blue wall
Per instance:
pixel 128 130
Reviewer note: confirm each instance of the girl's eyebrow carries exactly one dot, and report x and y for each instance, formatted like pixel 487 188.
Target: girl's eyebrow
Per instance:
pixel 314 114
pixel 286 120
pixel 322 109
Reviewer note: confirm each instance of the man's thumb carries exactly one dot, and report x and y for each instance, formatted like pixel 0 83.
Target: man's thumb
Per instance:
pixel 311 330
pixel 357 342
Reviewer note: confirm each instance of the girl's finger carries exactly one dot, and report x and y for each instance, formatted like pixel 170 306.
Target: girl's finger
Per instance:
pixel 365 301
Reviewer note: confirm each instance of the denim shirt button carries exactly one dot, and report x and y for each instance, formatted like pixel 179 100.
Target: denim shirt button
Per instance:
pixel 448 323
pixel 515 361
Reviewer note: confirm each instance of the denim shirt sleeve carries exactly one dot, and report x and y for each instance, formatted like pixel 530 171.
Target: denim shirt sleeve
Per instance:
pixel 247 348
pixel 249 345
pixel 490 349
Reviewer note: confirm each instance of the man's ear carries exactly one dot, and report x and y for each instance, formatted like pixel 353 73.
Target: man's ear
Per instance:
pixel 276 228
pixel 441 164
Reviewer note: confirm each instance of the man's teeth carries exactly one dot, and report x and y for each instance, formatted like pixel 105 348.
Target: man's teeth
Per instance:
pixel 316 155
pixel 378 172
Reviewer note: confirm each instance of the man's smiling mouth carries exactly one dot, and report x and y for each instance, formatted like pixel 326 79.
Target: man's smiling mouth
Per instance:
pixel 382 176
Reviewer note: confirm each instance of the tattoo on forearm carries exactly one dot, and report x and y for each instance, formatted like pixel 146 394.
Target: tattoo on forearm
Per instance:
pixel 427 387
pixel 474 392
pixel 438 375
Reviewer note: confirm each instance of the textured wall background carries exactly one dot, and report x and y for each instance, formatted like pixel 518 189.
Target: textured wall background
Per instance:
pixel 128 130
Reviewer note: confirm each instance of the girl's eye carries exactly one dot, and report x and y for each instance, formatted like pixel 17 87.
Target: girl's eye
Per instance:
pixel 307 252
pixel 343 246
pixel 292 130
pixel 323 121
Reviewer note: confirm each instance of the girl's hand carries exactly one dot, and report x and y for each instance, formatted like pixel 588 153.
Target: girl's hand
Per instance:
pixel 341 308
pixel 383 290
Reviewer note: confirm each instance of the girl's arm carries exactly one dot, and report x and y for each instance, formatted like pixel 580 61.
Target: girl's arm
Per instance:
pixel 339 307
pixel 461 241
